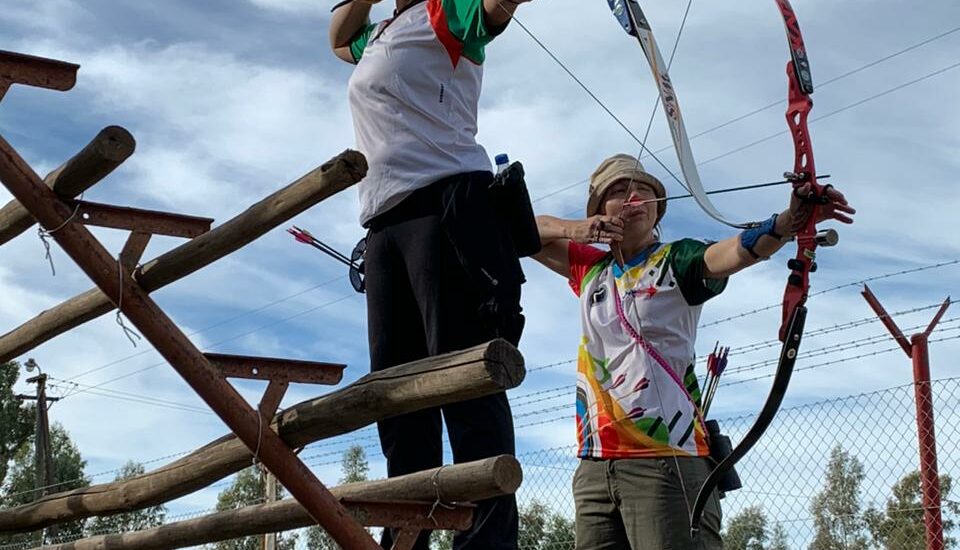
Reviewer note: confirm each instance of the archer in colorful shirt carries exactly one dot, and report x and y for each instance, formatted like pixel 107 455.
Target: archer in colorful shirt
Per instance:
pixel 641 438
pixel 441 273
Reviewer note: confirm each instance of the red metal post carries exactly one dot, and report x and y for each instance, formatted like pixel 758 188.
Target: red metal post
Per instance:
pixel 929 477
pixel 918 351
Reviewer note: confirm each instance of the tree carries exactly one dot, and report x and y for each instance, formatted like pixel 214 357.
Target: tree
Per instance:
pixel 560 534
pixel 21 489
pixel 778 538
pixel 747 530
pixel 131 521
pixel 837 516
pixel 543 529
pixel 248 489
pixel 354 467
pixel 17 419
pixel 441 540
pixel 533 524
pixel 901 526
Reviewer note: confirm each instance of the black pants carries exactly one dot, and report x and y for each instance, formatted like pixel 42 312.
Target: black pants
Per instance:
pixel 440 277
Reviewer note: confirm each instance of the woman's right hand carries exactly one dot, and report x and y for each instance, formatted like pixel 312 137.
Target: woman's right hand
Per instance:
pixel 597 229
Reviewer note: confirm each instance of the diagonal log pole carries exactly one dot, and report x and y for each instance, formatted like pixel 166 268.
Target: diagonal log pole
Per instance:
pixel 178 350
pixel 335 175
pixel 450 378
pixel 468 482
pixel 105 152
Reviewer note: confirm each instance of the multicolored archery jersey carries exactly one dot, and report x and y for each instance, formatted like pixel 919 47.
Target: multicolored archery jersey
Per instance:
pixel 628 404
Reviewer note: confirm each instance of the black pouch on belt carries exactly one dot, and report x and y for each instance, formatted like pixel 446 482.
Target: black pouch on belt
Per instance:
pixel 515 211
pixel 720 449
pixel 485 250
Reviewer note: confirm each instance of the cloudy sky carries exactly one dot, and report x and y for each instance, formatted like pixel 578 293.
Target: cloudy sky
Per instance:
pixel 231 100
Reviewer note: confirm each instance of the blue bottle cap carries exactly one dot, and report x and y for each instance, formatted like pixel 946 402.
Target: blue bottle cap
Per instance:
pixel 502 158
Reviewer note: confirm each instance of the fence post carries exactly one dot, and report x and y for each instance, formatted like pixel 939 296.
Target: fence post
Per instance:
pixel 929 476
pixel 918 351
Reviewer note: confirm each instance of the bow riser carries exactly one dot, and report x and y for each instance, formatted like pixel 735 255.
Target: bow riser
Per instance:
pixel 804 169
pixel 794 311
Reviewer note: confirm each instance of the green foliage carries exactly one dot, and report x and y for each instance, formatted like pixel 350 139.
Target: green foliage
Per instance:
pixel 441 540
pixel 20 486
pixel 560 534
pixel 131 521
pixel 837 516
pixel 778 538
pixel 354 465
pixel 900 526
pixel 750 530
pixel 355 468
pixel 543 529
pixel 248 489
pixel 747 530
pixel 17 419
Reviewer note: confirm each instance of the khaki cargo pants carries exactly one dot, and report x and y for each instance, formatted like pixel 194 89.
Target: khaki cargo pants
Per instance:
pixel 638 504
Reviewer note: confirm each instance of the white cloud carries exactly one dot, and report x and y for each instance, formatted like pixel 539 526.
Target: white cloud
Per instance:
pixel 218 130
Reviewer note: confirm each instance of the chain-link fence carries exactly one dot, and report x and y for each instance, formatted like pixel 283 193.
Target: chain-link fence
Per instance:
pixel 840 473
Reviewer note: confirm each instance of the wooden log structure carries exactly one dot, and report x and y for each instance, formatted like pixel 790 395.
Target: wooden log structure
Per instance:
pixel 482 370
pixel 337 174
pixel 105 152
pixel 415 493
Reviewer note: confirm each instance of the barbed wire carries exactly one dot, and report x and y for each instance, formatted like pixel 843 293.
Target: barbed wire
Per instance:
pixel 834 289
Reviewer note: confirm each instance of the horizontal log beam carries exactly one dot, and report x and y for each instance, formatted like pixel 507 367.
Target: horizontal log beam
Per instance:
pixel 457 483
pixel 336 175
pixel 482 370
pixel 105 152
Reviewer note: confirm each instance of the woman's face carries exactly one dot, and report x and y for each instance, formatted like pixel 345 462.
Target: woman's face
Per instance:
pixel 638 216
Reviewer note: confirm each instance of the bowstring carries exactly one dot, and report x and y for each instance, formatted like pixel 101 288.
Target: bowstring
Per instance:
pixel 639 323
pixel 643 148
pixel 593 96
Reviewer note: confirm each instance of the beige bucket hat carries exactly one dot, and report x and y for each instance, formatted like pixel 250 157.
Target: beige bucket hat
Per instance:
pixel 616 168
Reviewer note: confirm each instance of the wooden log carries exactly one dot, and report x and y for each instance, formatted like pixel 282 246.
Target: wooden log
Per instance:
pixel 105 152
pixel 482 370
pixel 336 175
pixel 457 483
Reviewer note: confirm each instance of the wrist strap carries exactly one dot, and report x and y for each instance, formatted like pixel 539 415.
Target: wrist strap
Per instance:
pixel 750 237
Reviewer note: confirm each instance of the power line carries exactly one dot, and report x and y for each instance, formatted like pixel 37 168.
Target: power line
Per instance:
pixel 778 102
pixel 823 84
pixel 214 325
pixel 235 337
pixel 138 398
pixel 835 112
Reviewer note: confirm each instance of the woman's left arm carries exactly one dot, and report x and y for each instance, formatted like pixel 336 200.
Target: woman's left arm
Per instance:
pixel 499 12
pixel 729 256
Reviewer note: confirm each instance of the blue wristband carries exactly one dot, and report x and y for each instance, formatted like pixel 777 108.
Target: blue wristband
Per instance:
pixel 750 237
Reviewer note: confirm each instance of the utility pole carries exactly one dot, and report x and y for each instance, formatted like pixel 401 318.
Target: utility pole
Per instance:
pixel 43 459
pixel 270 482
